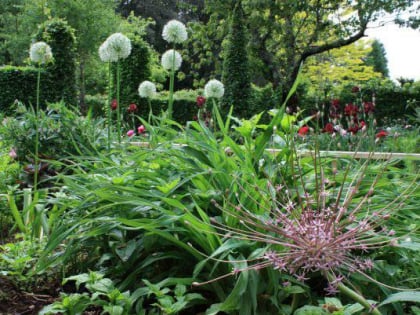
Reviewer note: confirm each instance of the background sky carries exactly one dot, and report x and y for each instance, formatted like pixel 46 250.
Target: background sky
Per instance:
pixel 402 47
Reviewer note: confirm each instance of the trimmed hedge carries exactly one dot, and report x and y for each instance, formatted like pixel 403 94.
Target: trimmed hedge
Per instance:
pixel 19 83
pixel 185 104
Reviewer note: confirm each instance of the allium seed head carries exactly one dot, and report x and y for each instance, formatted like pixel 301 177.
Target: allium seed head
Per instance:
pixel 116 47
pixel 214 88
pixel 40 53
pixel 171 60
pixel 174 32
pixel 147 89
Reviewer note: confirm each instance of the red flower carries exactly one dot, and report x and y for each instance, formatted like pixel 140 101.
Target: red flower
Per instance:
pixel 141 129
pixel 369 107
pixel 355 89
pixel 335 103
pixel 132 108
pixel 351 110
pixel 354 129
pixel 201 100
pixel 303 131
pixel 381 134
pixel 328 128
pixel 114 104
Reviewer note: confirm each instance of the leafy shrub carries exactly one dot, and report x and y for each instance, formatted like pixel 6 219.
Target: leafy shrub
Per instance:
pixel 63 131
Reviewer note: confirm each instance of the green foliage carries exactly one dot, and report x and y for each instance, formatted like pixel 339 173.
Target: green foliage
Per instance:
pixel 63 131
pixel 17 262
pixel 102 293
pixel 60 36
pixel 236 72
pixel 327 74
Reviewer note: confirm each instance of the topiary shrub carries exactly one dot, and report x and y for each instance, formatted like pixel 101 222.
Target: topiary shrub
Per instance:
pixel 60 36
pixel 236 75
pixel 134 70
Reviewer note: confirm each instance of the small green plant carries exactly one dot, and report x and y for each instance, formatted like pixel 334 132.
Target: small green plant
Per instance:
pixel 17 262
pixel 101 293
pixel 169 301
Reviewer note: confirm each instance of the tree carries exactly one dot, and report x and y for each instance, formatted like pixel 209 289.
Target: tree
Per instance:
pixel 377 58
pixel 284 34
pixel 236 76
pixel 327 73
pixel 14 41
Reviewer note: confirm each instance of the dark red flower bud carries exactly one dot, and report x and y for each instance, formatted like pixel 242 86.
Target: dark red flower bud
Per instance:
pixel 114 104
pixel 132 108
pixel 201 100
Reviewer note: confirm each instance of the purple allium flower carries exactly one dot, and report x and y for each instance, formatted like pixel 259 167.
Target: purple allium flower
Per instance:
pixel 324 228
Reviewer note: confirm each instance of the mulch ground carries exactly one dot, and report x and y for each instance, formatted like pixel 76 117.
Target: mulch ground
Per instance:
pixel 14 301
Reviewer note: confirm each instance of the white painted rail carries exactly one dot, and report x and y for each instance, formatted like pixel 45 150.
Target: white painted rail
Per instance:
pixel 336 154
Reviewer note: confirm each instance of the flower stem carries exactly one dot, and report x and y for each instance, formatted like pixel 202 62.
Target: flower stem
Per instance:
pixel 108 106
pixel 118 103
pixel 150 111
pixel 171 87
pixel 355 296
pixel 171 93
pixel 36 160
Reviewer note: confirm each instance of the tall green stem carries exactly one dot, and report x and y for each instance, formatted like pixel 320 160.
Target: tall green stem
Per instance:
pixel 108 106
pixel 171 87
pixel 36 159
pixel 171 93
pixel 150 111
pixel 118 103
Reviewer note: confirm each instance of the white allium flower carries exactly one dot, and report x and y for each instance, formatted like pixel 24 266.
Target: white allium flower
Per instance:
pixel 147 89
pixel 40 52
pixel 171 59
pixel 118 47
pixel 174 32
pixel 104 53
pixel 214 88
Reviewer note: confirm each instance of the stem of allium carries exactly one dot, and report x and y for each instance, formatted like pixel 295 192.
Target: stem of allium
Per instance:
pixel 171 87
pixel 213 114
pixel 150 111
pixel 108 106
pixel 36 160
pixel 355 296
pixel 118 103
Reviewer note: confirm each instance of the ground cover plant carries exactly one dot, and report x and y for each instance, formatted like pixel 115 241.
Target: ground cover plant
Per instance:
pixel 122 214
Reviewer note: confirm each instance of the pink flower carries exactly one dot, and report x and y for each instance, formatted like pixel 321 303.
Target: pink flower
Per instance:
pixel 12 153
pixel 130 133
pixel 141 129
